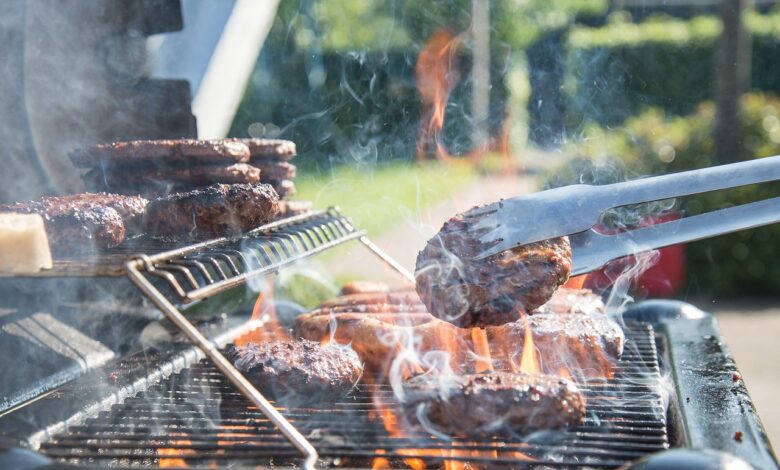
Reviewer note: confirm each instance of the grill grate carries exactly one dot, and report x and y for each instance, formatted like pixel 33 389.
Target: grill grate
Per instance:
pixel 196 418
pixel 202 270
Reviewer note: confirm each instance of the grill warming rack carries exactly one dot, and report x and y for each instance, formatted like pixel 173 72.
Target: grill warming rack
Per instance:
pixel 183 276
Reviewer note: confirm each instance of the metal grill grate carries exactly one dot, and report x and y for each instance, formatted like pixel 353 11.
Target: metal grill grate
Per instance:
pixel 202 270
pixel 197 418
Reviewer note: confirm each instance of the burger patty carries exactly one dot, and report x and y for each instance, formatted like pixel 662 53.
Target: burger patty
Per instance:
pixel 377 337
pixel 191 176
pixel 376 323
pixel 214 211
pixel 282 187
pixel 566 300
pixel 275 170
pixel 364 287
pixel 492 291
pixel 492 403
pixel 299 370
pixel 82 222
pixel 275 149
pixel 159 153
pixel 293 208
pixel 585 345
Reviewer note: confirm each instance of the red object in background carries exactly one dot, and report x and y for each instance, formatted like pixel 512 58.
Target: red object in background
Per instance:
pixel 665 278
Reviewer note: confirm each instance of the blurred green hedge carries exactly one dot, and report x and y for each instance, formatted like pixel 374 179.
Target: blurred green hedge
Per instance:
pixel 617 69
pixel 744 263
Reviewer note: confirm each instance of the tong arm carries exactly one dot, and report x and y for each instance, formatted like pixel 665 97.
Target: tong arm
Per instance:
pixel 704 180
pixel 592 250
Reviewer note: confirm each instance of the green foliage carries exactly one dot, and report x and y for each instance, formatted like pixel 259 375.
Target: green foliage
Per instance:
pixel 653 143
pixel 521 22
pixel 378 197
pixel 361 25
pixel 622 67
pixel 658 30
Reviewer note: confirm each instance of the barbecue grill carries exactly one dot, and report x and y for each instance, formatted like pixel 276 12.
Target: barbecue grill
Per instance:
pixel 174 403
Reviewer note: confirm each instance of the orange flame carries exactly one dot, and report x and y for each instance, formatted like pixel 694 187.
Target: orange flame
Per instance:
pixel 436 73
pixel 178 460
pixel 390 421
pixel 380 463
pixel 564 372
pixel 482 349
pixel 529 362
pixel 263 312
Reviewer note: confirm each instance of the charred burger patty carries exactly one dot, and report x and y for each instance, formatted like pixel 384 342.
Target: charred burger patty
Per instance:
pixel 477 293
pixel 493 403
pixel 298 370
pixel 214 211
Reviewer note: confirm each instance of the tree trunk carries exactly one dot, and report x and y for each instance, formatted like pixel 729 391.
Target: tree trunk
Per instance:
pixel 732 79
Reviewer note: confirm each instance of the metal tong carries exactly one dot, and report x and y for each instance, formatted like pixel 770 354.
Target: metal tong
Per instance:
pixel 575 210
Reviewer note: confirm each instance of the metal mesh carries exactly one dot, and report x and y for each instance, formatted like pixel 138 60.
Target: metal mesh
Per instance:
pixel 196 418
pixel 199 271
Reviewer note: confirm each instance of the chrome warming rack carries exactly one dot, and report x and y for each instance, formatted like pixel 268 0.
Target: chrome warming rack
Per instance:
pixel 181 277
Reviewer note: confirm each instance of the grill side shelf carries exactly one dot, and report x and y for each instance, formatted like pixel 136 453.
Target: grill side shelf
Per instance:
pixel 716 409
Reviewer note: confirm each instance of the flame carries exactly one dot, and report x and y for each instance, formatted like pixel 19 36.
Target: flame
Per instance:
pixel 564 372
pixel 529 362
pixel 454 464
pixel 380 463
pixel 177 461
pixel 390 421
pixel 263 312
pixel 481 347
pixel 436 73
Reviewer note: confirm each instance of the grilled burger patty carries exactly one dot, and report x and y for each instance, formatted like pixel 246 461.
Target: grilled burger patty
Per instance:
pixel 159 153
pixel 190 175
pixel 274 149
pixel 477 293
pixel 584 341
pixel 585 345
pixel 566 300
pixel 298 370
pixel 293 208
pixel 282 187
pixel 275 170
pixel 214 211
pixel 492 403
pixel 80 222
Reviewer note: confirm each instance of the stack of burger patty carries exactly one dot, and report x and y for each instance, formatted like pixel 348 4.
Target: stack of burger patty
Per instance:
pixel 155 168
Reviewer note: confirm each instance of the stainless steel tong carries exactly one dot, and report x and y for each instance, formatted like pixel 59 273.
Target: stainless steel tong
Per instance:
pixel 575 210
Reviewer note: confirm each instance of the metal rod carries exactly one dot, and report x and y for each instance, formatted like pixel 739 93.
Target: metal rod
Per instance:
pixel 387 259
pixel 219 361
